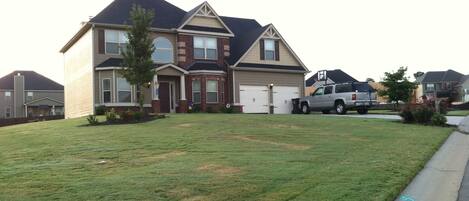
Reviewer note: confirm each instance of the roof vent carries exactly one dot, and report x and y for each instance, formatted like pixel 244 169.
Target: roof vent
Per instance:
pixel 19 74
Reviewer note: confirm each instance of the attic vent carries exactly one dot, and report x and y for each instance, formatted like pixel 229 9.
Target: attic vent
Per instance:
pixel 19 74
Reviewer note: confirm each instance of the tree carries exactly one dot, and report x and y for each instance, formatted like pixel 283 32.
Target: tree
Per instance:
pixel 397 86
pixel 370 80
pixel 138 65
pixel 418 74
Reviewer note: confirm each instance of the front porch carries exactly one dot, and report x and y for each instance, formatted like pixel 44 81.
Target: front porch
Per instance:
pixel 169 90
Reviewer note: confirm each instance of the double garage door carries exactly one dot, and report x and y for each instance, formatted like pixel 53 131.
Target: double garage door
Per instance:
pixel 256 99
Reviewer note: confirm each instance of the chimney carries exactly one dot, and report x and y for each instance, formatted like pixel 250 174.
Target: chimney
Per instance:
pixel 18 88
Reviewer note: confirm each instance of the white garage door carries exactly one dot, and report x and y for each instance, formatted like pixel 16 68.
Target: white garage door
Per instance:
pixel 282 99
pixel 254 99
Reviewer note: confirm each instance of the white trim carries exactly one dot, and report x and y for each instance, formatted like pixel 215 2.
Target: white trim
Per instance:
pixel 204 40
pixel 207 72
pixel 271 26
pixel 93 73
pixel 108 68
pixel 45 98
pixel 234 87
pixel 99 87
pixel 114 82
pixel 182 87
pixel 205 33
pixel 164 49
pixel 172 66
pixel 122 105
pixel 266 70
pixel 206 5
pixel 45 90
pixel 101 90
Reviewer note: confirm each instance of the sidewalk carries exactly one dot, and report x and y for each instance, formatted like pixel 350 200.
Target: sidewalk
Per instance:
pixel 442 176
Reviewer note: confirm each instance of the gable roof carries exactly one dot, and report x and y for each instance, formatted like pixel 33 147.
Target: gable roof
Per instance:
pixel 193 13
pixel 32 81
pixel 338 76
pixel 442 76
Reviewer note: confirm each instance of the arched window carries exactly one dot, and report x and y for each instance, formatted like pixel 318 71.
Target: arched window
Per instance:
pixel 163 51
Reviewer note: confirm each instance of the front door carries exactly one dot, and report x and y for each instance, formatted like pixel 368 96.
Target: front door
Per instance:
pixel 165 97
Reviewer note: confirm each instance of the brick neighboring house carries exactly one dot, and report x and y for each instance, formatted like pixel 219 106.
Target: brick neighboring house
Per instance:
pixel 27 93
pixel 442 84
pixel 464 89
pixel 333 76
pixel 201 60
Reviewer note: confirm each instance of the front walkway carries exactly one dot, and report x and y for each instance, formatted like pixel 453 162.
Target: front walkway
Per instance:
pixel 452 120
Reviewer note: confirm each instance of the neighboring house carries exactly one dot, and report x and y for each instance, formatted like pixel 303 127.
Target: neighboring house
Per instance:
pixel 201 60
pixel 442 84
pixel 27 93
pixel 464 89
pixel 333 76
pixel 418 92
pixel 379 87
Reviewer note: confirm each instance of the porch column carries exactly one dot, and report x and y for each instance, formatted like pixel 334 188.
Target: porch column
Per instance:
pixel 155 103
pixel 183 101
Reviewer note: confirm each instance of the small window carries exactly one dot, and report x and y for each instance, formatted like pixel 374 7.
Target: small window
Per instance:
pixel 106 90
pixel 430 87
pixel 212 91
pixel 269 48
pixel 196 91
pixel 7 112
pixel 116 41
pixel 7 93
pixel 319 92
pixel 124 91
pixel 343 88
pixel 163 51
pixel 328 90
pixel 205 48
pixel 29 96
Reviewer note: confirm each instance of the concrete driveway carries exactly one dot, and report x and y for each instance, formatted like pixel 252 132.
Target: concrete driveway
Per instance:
pixel 452 120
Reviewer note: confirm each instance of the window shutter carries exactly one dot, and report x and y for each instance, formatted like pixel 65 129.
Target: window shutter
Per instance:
pixel 261 42
pixel 101 41
pixel 277 52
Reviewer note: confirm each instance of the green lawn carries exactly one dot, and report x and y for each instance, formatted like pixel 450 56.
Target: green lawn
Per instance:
pixel 458 113
pixel 215 157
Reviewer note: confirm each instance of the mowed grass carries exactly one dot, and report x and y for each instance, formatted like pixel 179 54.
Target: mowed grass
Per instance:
pixel 215 157
pixel 458 113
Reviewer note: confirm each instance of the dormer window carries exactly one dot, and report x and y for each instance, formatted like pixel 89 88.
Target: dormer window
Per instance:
pixel 205 48
pixel 163 51
pixel 116 41
pixel 269 49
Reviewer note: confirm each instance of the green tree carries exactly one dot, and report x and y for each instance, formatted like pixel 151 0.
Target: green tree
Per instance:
pixel 138 65
pixel 397 86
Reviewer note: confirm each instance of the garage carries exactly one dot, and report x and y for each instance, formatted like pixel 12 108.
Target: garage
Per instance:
pixel 282 96
pixel 255 99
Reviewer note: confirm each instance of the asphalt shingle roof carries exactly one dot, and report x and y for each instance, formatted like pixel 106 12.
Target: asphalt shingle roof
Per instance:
pixel 442 76
pixel 205 66
pixel 32 81
pixel 338 76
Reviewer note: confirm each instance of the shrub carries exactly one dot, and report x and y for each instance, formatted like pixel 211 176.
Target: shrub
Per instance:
pixel 407 115
pixel 227 109
pixel 423 115
pixel 111 116
pixel 195 108
pixel 92 120
pixel 439 119
pixel 100 110
pixel 138 116
pixel 127 116
pixel 444 107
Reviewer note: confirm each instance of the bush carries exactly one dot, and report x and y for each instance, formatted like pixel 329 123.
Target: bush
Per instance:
pixel 111 116
pixel 92 120
pixel 127 116
pixel 439 119
pixel 227 109
pixel 423 115
pixel 138 116
pixel 407 115
pixel 100 110
pixel 195 109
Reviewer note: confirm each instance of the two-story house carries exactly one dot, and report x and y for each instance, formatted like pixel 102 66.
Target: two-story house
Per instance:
pixel 201 60
pixel 29 94
pixel 441 84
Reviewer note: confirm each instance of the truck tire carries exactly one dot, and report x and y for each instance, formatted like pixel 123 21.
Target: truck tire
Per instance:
pixel 362 111
pixel 340 108
pixel 326 111
pixel 305 108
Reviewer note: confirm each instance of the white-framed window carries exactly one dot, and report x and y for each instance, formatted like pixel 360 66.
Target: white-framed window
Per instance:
pixel 7 93
pixel 124 91
pixel 29 96
pixel 205 48
pixel 7 112
pixel 430 87
pixel 212 91
pixel 196 99
pixel 116 41
pixel 269 49
pixel 164 51
pixel 107 94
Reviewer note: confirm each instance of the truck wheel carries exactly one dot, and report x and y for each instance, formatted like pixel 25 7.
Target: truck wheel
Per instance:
pixel 326 111
pixel 340 108
pixel 305 108
pixel 362 111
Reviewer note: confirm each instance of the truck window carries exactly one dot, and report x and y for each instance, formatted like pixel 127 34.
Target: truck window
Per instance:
pixel 343 88
pixel 319 92
pixel 328 90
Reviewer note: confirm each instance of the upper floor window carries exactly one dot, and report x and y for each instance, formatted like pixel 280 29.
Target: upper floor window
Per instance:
pixel 124 91
pixel 269 49
pixel 7 95
pixel 29 96
pixel 116 41
pixel 196 91
pixel 430 87
pixel 164 52
pixel 106 90
pixel 205 48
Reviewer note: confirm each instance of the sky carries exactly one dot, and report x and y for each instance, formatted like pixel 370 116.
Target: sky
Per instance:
pixel 364 38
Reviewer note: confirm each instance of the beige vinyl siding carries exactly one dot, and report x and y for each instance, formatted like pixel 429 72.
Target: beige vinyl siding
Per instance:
pixel 6 102
pixel 56 95
pixel 79 78
pixel 267 78
pixel 286 57
pixel 205 22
